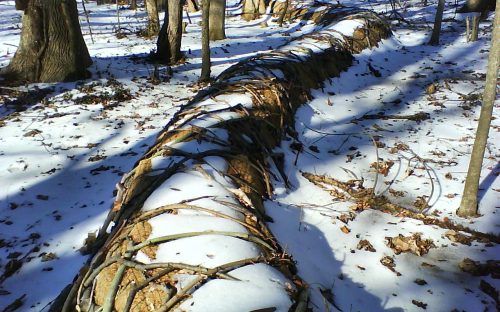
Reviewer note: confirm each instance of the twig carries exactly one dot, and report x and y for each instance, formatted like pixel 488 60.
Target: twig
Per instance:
pixel 303 299
pixel 170 303
pixel 92 294
pixel 376 164
pixel 113 289
pixel 427 169
pixel 88 21
pixel 163 209
pixel 118 15
pixel 168 238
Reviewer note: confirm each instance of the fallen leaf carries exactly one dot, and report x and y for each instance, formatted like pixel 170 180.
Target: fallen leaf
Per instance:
pixel 383 166
pixel 347 217
pixel 414 244
pixel 32 133
pixel 42 197
pixel 48 256
pixel 365 245
pixel 420 282
pixel 389 263
pixel 419 304
pixel 345 229
pixel 457 237
pixel 477 268
pixel 431 89
pixel 10 268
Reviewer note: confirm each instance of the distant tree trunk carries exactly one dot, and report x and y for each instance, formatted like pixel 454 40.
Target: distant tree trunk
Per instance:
pixel 477 6
pixel 193 6
pixel 474 34
pixel 283 13
pixel 253 9
pixel 437 24
pixel 51 47
pixel 160 5
pixel 205 42
pixel 153 19
pixel 99 2
pixel 133 4
pixel 168 46
pixel 217 19
pixel 468 206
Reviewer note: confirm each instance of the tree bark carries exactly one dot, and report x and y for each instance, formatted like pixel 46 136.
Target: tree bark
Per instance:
pixel 192 6
pixel 205 42
pixel 169 40
pixel 437 24
pixel 253 9
pixel 477 6
pixel 51 47
pixel 100 2
pixel 469 204
pixel 133 4
pixel 475 28
pixel 153 19
pixel 283 13
pixel 217 18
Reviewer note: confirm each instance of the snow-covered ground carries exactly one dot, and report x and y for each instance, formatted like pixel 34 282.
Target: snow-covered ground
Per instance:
pixel 62 154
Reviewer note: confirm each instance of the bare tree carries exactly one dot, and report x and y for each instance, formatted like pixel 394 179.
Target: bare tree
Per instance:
pixel 205 42
pixel 436 30
pixel 51 47
pixel 469 205
pixel 217 19
pixel 133 4
pixel 477 6
pixel 153 19
pixel 253 9
pixel 168 46
pixel 481 7
pixel 283 13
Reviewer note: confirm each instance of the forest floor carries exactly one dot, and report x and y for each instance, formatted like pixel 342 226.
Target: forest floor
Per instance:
pixel 400 121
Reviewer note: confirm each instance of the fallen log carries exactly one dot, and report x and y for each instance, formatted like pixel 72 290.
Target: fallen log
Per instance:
pixel 187 231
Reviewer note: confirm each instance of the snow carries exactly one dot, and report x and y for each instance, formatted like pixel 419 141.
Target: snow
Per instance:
pixel 61 159
pixel 261 287
pixel 214 250
pixel 183 186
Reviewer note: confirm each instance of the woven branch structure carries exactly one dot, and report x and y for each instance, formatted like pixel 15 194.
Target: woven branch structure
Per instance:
pixel 187 231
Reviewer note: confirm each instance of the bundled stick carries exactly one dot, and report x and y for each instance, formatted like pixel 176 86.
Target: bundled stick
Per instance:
pixel 188 229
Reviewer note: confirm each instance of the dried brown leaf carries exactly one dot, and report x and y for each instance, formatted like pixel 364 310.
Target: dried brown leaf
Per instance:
pixel 345 229
pixel 414 244
pixel 365 245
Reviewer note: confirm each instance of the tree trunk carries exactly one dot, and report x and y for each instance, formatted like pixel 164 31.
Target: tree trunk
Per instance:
pixel 51 47
pixel 100 2
pixel 205 42
pixel 168 46
pixel 133 4
pixel 283 13
pixel 153 19
pixel 437 24
pixel 467 28
pixel 192 6
pixel 253 9
pixel 217 19
pixel 475 28
pixel 469 205
pixel 477 6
